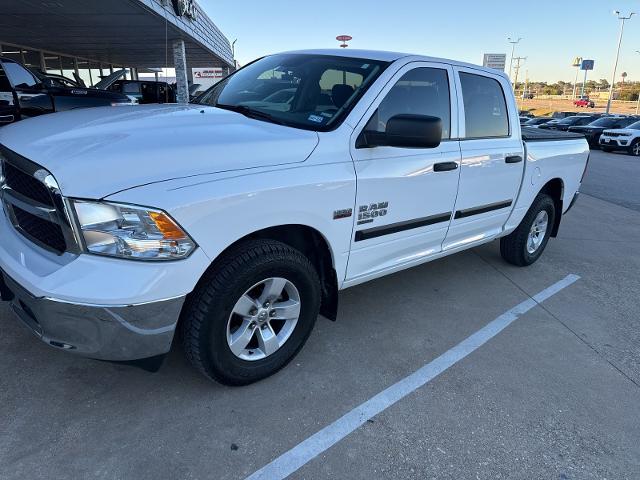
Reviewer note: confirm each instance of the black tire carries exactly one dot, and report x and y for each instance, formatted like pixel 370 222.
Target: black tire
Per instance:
pixel 208 308
pixel 634 146
pixel 513 247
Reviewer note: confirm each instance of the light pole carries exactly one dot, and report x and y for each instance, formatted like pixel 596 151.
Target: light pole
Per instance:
pixel 622 19
pixel 518 61
pixel 638 104
pixel 513 50
pixel 576 63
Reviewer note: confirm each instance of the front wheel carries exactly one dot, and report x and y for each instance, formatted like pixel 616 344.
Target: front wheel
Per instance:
pixel 634 149
pixel 525 244
pixel 252 313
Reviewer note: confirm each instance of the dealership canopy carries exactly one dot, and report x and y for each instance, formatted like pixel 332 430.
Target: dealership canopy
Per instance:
pixel 134 34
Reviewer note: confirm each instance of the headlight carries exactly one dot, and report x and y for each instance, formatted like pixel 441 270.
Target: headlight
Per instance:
pixel 129 231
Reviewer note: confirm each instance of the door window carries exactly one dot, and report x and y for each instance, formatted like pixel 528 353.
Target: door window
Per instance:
pixel 5 86
pixel 485 107
pixel 422 91
pixel 19 76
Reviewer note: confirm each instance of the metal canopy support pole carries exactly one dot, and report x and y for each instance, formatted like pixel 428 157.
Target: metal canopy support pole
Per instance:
pixel 43 63
pixel 180 64
pixel 584 82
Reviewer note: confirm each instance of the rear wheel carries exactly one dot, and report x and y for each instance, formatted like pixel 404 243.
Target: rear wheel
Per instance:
pixel 252 313
pixel 634 149
pixel 526 243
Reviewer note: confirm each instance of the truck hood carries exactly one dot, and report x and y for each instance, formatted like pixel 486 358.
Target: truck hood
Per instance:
pixel 99 151
pixel 620 131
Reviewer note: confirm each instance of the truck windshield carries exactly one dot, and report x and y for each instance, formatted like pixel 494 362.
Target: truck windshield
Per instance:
pixel 313 92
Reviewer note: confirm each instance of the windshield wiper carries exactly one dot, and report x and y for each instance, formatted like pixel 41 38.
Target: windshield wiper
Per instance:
pixel 250 113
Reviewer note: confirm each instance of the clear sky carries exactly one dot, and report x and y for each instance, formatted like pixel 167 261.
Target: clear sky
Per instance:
pixel 554 32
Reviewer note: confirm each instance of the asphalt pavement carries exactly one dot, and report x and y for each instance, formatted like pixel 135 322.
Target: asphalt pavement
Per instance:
pixel 614 177
pixel 555 395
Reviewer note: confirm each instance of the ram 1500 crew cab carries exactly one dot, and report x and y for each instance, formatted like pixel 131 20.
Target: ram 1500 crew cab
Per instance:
pixel 237 220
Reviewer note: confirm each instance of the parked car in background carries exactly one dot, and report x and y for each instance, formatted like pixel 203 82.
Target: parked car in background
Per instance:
pixel 565 123
pixel 627 139
pixel 54 80
pixel 24 95
pixel 145 91
pixel 238 225
pixel 538 121
pixel 593 130
pixel 524 120
pixel 560 115
pixel 584 102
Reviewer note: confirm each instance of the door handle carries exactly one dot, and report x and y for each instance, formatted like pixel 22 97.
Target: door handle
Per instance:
pixel 513 159
pixel 445 166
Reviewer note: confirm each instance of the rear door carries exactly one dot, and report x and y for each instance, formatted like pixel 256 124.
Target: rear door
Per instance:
pixel 492 158
pixel 404 202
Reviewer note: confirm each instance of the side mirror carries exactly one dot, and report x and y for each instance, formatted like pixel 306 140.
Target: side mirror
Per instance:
pixel 405 131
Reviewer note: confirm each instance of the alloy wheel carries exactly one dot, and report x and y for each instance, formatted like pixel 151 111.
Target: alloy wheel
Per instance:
pixel 537 232
pixel 263 319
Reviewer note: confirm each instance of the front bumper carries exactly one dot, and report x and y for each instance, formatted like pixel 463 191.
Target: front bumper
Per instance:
pixel 114 333
pixel 614 142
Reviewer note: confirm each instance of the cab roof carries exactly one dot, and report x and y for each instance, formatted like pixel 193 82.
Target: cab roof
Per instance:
pixel 385 56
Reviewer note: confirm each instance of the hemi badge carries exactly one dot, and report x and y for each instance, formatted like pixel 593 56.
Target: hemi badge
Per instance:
pixel 345 213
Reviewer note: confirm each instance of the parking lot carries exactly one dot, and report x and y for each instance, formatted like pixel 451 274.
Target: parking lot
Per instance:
pixel 555 395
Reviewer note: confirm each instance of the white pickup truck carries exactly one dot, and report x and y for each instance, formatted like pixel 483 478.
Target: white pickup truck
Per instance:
pixel 233 222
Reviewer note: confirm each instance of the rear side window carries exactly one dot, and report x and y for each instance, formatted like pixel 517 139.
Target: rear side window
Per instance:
pixel 485 107
pixel 421 91
pixel 19 76
pixel 131 88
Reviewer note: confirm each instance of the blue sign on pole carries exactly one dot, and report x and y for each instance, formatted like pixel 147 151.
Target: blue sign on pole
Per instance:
pixel 587 65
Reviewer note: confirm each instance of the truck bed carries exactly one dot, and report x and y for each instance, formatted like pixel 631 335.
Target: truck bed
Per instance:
pixel 530 134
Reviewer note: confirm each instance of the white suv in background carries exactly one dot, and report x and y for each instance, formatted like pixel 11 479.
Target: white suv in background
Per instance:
pixel 627 139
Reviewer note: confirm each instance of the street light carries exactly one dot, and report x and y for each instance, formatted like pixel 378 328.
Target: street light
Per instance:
pixel 638 104
pixel 513 49
pixel 622 19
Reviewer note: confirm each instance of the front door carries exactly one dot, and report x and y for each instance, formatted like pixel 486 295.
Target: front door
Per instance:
pixel 405 196
pixel 8 107
pixel 492 158
pixel 33 97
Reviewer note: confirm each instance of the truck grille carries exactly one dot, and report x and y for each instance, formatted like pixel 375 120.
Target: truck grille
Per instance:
pixel 26 185
pixel 36 209
pixel 45 232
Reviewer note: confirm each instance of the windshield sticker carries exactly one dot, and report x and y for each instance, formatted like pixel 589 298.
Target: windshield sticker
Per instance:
pixel 316 118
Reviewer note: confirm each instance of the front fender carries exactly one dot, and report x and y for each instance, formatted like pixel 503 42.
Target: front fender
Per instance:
pixel 218 210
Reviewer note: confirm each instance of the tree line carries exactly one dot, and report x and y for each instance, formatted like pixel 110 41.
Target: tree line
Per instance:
pixel 626 90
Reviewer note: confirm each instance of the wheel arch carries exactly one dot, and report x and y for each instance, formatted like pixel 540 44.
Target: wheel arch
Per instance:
pixel 313 244
pixel 555 189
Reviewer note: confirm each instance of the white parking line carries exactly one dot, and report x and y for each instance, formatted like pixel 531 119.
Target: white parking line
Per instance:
pixel 304 452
